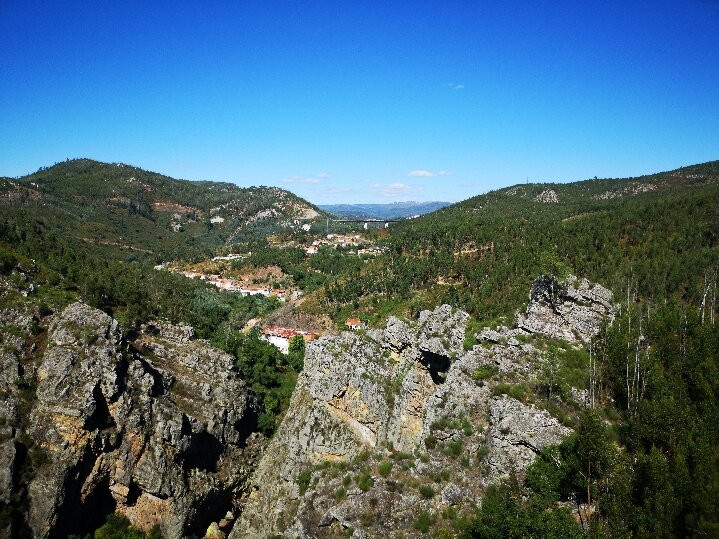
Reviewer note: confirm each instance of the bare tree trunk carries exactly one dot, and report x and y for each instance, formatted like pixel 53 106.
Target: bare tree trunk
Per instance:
pixel 589 489
pixel 704 296
pixel 629 336
pixel 591 377
pixel 714 297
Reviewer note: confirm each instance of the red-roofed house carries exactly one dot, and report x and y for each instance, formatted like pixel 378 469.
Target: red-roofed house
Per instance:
pixel 354 323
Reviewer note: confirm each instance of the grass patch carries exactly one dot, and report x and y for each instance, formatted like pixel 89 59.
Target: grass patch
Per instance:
pixel 426 491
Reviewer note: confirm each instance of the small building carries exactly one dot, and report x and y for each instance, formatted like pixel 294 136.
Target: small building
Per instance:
pixel 296 294
pixel 231 256
pixel 280 337
pixel 311 250
pixel 354 323
pixel 254 291
pixel 279 293
pixel 217 220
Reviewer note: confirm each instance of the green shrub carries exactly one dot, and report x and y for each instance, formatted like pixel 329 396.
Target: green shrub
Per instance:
pixel 426 491
pixel 430 441
pixel 454 448
pixel 385 468
pixel 364 481
pixel 423 522
pixel 470 340
pixel 7 262
pixel 485 372
pixel 517 391
pixel 303 480
pixel 118 527
pixel 394 486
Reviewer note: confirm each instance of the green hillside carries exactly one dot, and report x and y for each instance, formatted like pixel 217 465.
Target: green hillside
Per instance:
pixel 655 234
pixel 130 209
pixel 95 230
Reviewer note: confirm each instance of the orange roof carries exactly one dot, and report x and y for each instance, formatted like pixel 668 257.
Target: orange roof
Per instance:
pixel 288 333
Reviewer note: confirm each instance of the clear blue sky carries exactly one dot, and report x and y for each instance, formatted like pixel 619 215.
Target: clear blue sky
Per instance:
pixel 362 101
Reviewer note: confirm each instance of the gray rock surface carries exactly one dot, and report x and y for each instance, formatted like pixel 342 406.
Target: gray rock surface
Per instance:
pixel 157 431
pixel 573 310
pixel 387 423
pixel 516 429
pixel 412 396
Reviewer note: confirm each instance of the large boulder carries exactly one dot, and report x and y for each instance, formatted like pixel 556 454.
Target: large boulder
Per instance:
pixel 572 310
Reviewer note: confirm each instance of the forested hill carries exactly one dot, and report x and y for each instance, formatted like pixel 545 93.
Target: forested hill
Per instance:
pixel 133 209
pixel 656 235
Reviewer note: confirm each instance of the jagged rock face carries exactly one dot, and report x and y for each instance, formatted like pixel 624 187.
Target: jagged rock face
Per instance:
pixel 573 311
pixel 159 436
pixel 13 374
pixel 410 393
pixel 548 196
pixel 161 429
pixel 515 427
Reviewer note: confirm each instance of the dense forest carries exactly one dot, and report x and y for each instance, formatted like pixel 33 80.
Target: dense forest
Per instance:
pixel 644 459
pixel 657 234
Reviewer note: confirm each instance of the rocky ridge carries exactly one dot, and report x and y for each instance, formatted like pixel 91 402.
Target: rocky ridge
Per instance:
pixel 386 425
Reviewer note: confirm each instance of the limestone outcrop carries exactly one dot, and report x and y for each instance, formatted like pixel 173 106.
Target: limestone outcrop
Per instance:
pixel 158 430
pixel 387 424
pixel 384 425
pixel 573 310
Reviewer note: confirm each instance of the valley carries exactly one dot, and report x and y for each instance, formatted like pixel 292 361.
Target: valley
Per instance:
pixel 194 359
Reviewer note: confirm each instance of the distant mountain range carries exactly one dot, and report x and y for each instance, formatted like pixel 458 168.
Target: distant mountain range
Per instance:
pixel 395 210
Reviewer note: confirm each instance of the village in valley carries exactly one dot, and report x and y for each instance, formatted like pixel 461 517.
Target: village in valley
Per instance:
pixel 237 271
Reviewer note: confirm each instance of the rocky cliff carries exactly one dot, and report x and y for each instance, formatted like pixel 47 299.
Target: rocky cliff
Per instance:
pixel 389 427
pixel 159 430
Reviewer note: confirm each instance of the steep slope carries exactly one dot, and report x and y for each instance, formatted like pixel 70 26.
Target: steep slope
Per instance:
pixel 132 209
pixel 159 430
pixel 418 423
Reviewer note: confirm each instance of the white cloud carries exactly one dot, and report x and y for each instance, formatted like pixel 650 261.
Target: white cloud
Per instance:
pixel 322 175
pixel 456 85
pixel 428 173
